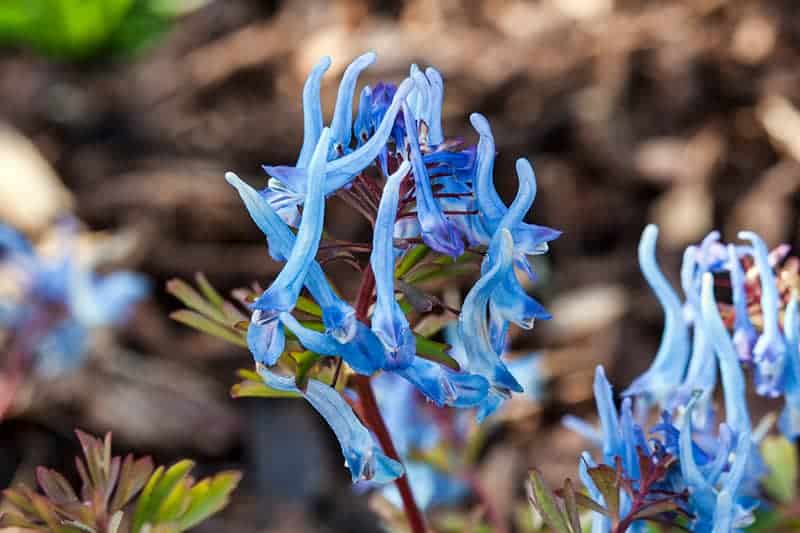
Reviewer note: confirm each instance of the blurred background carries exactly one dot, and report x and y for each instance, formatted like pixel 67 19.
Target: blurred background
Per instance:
pixel 685 113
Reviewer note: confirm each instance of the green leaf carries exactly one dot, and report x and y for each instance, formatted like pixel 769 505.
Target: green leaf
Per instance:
pixel 157 491
pixel 208 290
pixel 411 259
pixel 308 306
pixel 435 351
pixel 545 503
pixel 571 506
pixel 193 300
pixel 781 458
pixel 201 323
pixel 251 388
pixel 208 497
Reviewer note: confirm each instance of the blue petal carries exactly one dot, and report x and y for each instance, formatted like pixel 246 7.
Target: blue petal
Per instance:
pixel 282 294
pixel 437 231
pixel 102 301
pixel 444 386
pixel 733 383
pixel 435 136
pixel 744 333
pixel 312 111
pixel 341 125
pixel 789 422
pixel 481 357
pixel 668 367
pixel 388 321
pixel 363 353
pixel 265 338
pixel 769 353
pixel 337 315
pixel 613 445
pixel 528 371
pixel 431 487
pixel 491 206
pixel 362 456
pixel 363 124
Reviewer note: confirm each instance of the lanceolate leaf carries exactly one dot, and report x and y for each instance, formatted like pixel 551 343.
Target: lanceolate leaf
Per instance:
pixel 546 504
pixel 201 323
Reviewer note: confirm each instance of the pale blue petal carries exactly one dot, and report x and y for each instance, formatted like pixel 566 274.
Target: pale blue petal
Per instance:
pixel 105 300
pixel 282 294
pixel 341 125
pixel 789 422
pixel 668 367
pixel 265 338
pixel 491 206
pixel 733 383
pixel 362 456
pixel 744 333
pixel 435 135
pixel 769 353
pixel 62 349
pixel 437 231
pixel 312 111
pixel 363 123
pixel 444 386
pixel 388 320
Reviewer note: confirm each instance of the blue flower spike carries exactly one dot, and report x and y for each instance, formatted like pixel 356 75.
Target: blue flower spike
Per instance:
pixel 769 352
pixel 667 370
pixel 342 125
pixel 312 111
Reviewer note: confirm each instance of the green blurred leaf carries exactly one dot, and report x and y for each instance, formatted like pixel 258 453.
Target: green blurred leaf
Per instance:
pixel 201 323
pixel 781 458
pixel 253 386
pixel 195 301
pixel 435 351
pixel 607 481
pixel 411 259
pixel 546 503
pixel 156 492
pixel 208 497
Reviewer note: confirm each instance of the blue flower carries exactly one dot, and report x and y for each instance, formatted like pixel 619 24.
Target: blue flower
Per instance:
pixel 667 370
pixel 61 299
pixel 362 456
pixel 715 509
pixel 744 333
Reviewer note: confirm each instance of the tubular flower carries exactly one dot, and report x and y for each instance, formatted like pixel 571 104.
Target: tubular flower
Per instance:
pixel 57 301
pixel 392 164
pixel 667 371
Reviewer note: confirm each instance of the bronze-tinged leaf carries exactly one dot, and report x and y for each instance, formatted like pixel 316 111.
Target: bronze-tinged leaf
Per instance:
pixel 587 503
pixel 199 322
pixel 208 290
pixel 194 300
pixel 655 508
pixel 45 510
pixel 132 478
pixel 571 506
pixel 606 480
pixel 55 486
pixel 545 503
pixel 11 520
pixel 18 497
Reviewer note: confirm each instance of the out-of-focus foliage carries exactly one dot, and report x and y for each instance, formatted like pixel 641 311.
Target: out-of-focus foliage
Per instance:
pixel 165 500
pixel 67 29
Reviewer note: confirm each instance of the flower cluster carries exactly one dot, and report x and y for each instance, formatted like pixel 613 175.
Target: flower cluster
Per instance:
pixel 433 208
pixel 718 468
pixel 50 304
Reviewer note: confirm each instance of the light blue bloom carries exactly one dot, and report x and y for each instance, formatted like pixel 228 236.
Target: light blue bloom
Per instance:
pixel 61 299
pixel 769 352
pixel 362 456
pixel 715 509
pixel 667 370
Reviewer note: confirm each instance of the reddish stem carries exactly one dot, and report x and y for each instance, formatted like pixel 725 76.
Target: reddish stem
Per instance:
pixel 374 419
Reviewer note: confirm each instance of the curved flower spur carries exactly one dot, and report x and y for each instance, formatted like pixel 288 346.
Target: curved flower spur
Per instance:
pixel 419 192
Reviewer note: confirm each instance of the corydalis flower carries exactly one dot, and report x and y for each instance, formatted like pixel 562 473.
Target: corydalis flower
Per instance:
pixel 393 165
pixel 58 300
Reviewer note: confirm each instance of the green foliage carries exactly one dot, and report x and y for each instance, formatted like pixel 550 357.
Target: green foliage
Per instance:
pixel 560 509
pixel 81 30
pixel 169 501
pixel 781 458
